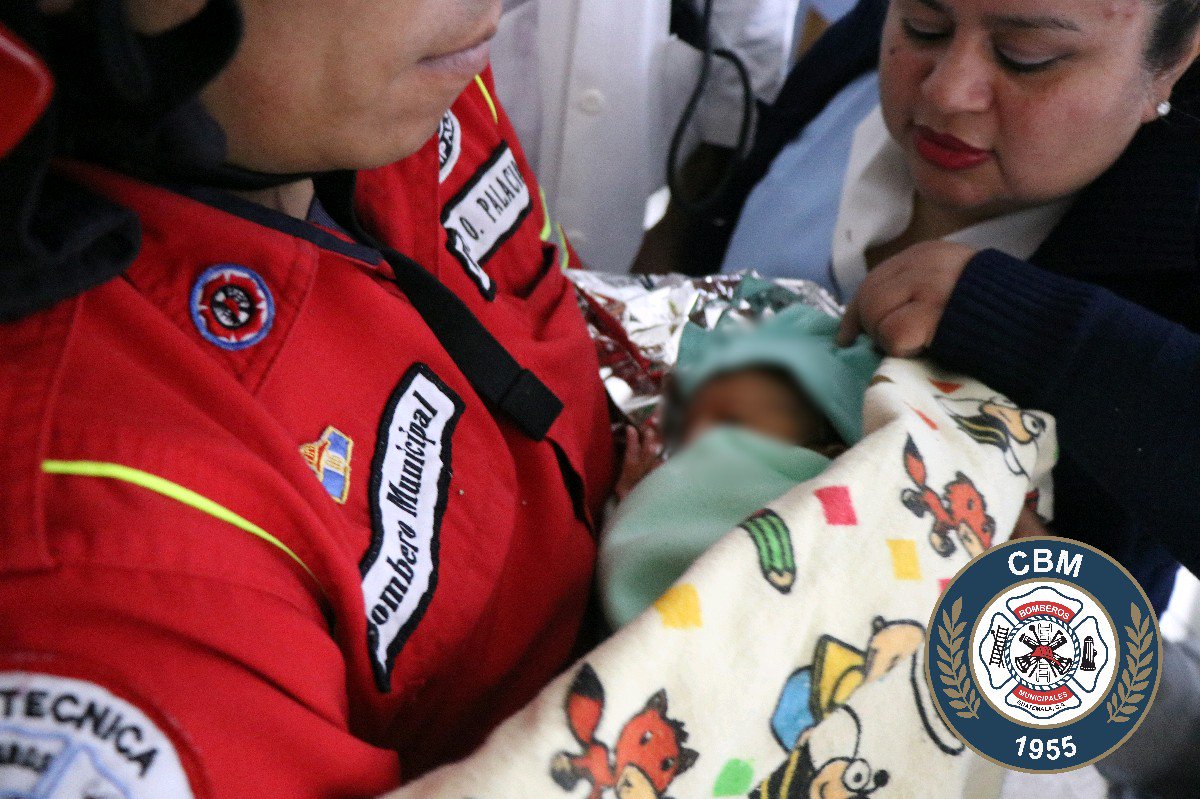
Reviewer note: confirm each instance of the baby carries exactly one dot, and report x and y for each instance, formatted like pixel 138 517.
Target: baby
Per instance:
pixel 760 409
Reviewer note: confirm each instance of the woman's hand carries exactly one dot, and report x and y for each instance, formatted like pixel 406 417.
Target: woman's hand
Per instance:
pixel 901 302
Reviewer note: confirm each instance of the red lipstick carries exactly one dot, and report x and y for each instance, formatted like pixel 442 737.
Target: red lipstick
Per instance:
pixel 948 152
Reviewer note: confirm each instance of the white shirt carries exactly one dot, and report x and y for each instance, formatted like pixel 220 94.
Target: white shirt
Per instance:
pixel 877 206
pixel 595 89
pixel 761 33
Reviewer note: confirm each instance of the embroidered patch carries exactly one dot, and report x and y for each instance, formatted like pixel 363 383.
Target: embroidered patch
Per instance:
pixel 410 476
pixel 329 458
pixel 483 216
pixel 232 307
pixel 62 738
pixel 449 145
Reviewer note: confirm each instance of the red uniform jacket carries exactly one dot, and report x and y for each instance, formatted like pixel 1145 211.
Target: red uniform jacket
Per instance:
pixel 260 535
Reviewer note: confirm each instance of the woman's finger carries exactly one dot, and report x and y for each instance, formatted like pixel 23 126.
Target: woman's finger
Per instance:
pixel 1029 524
pixel 907 331
pixel 850 326
pixel 879 301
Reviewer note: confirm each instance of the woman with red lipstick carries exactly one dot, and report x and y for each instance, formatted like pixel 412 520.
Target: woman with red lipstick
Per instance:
pixel 1012 188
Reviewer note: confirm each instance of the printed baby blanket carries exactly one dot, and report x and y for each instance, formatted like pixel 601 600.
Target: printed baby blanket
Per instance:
pixel 786 662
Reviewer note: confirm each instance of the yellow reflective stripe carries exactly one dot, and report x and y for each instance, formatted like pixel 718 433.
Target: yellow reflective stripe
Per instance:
pixel 185 496
pixel 547 225
pixel 488 96
pixel 564 253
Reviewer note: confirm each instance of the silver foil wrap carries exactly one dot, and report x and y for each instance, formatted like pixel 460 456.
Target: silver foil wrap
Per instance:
pixel 637 321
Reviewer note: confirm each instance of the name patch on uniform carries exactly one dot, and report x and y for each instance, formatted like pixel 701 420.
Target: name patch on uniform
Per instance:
pixel 449 145
pixel 62 738
pixel 487 211
pixel 410 477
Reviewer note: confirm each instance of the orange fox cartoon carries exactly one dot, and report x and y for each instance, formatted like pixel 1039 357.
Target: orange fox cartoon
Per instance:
pixel 648 756
pixel 959 510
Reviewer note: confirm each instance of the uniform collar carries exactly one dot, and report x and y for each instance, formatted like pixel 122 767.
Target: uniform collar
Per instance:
pixel 194 241
pixel 319 228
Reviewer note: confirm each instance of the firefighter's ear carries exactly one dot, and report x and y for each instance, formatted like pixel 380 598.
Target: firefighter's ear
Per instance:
pixel 687 759
pixel 658 702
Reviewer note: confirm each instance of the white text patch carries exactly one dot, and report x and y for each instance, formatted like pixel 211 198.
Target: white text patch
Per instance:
pixel 409 480
pixel 449 145
pixel 62 738
pixel 487 211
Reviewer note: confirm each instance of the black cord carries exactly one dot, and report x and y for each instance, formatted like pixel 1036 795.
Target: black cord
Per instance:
pixel 702 206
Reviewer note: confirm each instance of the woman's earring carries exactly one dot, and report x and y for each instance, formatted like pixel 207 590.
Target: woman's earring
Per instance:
pixel 1164 108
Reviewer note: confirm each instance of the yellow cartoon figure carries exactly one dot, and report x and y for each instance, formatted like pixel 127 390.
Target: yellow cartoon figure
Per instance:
pixel 816 692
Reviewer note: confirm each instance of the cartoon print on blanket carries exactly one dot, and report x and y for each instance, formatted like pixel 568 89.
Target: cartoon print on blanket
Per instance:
pixel 841 773
pixel 724 642
pixel 773 540
pixel 817 692
pixel 649 753
pixel 999 423
pixel 837 670
pixel 959 510
pixel 842 754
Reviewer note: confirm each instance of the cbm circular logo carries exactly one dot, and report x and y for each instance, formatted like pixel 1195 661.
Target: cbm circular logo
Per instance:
pixel 1043 655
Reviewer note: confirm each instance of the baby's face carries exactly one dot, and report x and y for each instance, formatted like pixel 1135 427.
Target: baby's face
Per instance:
pixel 758 400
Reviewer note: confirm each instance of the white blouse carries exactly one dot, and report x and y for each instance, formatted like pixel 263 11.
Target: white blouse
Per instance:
pixel 877 206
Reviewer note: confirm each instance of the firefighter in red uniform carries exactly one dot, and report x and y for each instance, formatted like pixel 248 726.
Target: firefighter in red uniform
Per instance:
pixel 302 453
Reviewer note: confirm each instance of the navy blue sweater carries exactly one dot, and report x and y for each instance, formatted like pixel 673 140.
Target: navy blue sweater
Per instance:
pixel 1097 328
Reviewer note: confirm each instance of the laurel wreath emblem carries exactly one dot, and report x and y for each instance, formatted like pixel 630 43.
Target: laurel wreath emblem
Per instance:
pixel 955 680
pixel 1135 676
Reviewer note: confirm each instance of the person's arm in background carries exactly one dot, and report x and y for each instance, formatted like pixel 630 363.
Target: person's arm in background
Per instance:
pixel 1121 381
pixel 762 33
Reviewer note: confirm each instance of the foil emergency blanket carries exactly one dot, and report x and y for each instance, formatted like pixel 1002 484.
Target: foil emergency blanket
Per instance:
pixel 637 322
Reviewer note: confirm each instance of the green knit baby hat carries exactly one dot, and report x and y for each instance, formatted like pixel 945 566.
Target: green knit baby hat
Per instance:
pixel 799 340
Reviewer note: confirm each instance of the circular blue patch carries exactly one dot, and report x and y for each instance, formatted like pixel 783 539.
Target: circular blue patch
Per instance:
pixel 1043 655
pixel 232 307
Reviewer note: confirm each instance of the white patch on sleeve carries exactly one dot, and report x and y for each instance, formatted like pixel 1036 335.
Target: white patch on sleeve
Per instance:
pixel 487 211
pixel 62 738
pixel 449 145
pixel 410 476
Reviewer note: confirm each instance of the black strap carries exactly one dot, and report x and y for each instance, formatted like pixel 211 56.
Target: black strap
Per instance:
pixel 491 370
